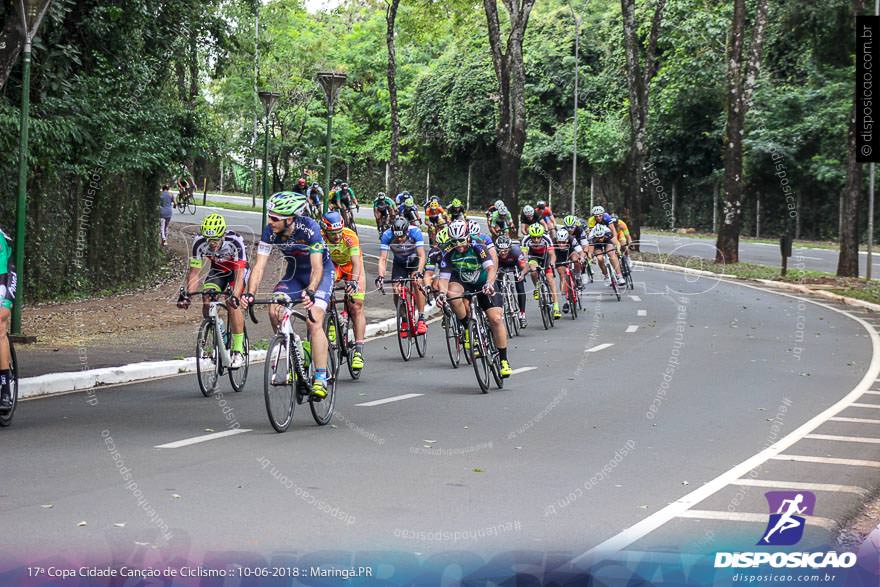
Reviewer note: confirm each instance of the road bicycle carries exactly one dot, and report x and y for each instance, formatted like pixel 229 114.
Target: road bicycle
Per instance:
pixel 569 288
pixel 509 298
pixel 407 319
pixel 213 348
pixel 6 416
pixel 288 371
pixel 545 298
pixel 484 355
pixel 609 268
pixel 348 217
pixel 626 270
pixel 186 201
pixel 340 332
pixel 454 334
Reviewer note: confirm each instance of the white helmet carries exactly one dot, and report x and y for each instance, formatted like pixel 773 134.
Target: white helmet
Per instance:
pixel 562 235
pixel 474 228
pixel 528 211
pixel 599 231
pixel 499 204
pixel 500 207
pixel 458 230
pixel 597 210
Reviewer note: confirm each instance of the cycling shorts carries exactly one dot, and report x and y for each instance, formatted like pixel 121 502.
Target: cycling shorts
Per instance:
pixel 540 261
pixel 485 302
pixel 294 284
pixel 219 279
pixel 346 273
pixel 7 290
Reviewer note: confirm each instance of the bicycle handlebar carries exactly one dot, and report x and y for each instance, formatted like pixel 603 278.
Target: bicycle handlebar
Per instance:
pixel 307 316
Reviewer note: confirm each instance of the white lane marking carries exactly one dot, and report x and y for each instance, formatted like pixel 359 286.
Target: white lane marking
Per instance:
pixel 872 393
pixel 827 461
pixel 749 517
pixel 203 438
pixel 647 525
pixel 862 439
pixel 522 370
pixel 388 400
pixel 635 298
pixel 875 406
pixel 642 313
pixel 853 420
pixel 810 258
pixel 599 347
pixel 632 328
pixel 801 486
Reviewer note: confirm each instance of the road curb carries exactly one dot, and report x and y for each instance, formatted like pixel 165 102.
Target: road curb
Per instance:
pixel 59 383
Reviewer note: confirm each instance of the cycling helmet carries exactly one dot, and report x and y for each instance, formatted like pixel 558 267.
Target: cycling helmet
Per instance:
pixel 213 226
pixel 434 203
pixel 474 228
pixel 315 185
pixel 562 235
pixel 442 236
pixel 599 231
pixel 344 185
pixel 503 243
pixel 409 201
pixel 528 211
pixel 536 230
pixel 570 221
pixel 541 204
pixel 458 230
pixel 337 182
pixel 400 227
pixel 332 221
pixel 380 195
pixel 500 207
pixel 456 203
pixel 434 200
pixel 597 211
pixel 499 204
pixel 287 204
pixel 301 182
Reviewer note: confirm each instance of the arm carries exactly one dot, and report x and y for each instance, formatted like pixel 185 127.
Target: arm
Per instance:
pixel 382 264
pixel 317 261
pixel 422 258
pixel 257 272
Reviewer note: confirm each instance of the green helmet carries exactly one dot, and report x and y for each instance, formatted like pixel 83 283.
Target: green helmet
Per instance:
pixel 409 202
pixel 536 230
pixel 570 220
pixel 287 204
pixel 213 226
pixel 443 236
pixel 456 203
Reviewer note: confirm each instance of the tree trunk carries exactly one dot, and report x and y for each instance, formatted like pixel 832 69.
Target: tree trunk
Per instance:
pixel 848 260
pixel 741 79
pixel 390 17
pixel 510 132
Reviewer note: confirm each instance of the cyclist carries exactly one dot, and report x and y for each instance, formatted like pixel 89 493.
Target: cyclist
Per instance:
pixel 567 248
pixel 410 211
pixel 625 240
pixel 345 252
pixel 8 281
pixel 467 267
pixel 455 210
pixel 527 217
pixel 227 253
pixel 540 254
pixel 342 200
pixel 604 241
pixel 436 218
pixel 384 211
pixel 491 210
pixel 511 258
pixel 308 277
pixel 500 221
pixel 434 256
pixel 407 246
pixel 301 186
pixel 476 234
pixel 546 213
pixel 577 228
pixel 316 199
pixel 598 215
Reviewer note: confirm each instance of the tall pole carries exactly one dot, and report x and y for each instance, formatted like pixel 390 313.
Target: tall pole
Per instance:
pixel 331 82
pixel 265 167
pixel 329 154
pixel 21 206
pixel 574 156
pixel 871 195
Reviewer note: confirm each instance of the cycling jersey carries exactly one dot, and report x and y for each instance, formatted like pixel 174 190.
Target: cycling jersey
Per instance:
pixel 483 239
pixel 470 267
pixel 564 252
pixel 545 213
pixel 515 258
pixel 435 214
pixel 231 255
pixel 411 213
pixel 8 278
pixel 528 220
pixel 348 246
pixel 405 252
pixel 580 232
pixel 623 232
pixel 383 204
pixel 456 213
pixel 537 247
pixel 606 220
pixel 502 220
pixel 345 196
pixel 305 238
pixel 435 255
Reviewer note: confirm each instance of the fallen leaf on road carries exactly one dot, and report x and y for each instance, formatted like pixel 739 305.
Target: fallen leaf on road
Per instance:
pixel 120 524
pixel 431 441
pixel 209 429
pixel 478 470
pixel 685 483
pixel 175 496
pixel 83 523
pixel 47 506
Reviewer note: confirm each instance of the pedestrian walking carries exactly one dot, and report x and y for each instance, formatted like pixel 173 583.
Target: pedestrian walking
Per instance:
pixel 166 211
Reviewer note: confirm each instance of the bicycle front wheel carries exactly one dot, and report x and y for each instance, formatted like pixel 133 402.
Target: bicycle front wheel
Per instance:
pixel 453 342
pixel 322 409
pixel 572 298
pixel 278 383
pixel 238 377
pixel 6 418
pixel 404 331
pixel 546 317
pixel 207 358
pixel 479 353
pixel 191 205
pixel 334 344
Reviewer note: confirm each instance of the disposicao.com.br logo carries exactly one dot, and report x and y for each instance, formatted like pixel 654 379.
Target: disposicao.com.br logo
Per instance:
pixel 785 528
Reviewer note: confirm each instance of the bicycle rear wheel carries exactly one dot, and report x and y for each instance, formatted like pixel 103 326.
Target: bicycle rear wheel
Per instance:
pixel 542 307
pixel 614 284
pixel 404 337
pixel 207 358
pixel 278 384
pixel 331 327
pixel 453 342
pixel 322 409
pixel 513 304
pixel 479 351
pixel 573 298
pixel 349 346
pixel 238 377
pixel 6 418
pixel 421 339
pixel 494 358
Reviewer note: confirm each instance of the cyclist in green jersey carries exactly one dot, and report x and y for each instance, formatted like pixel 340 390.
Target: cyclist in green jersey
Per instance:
pixel 7 297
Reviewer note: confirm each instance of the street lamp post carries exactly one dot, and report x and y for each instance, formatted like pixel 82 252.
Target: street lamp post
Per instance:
pixel 331 82
pixel 32 12
pixel 268 99
pixel 574 157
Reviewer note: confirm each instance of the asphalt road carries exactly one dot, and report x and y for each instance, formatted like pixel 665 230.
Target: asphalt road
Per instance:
pixel 608 420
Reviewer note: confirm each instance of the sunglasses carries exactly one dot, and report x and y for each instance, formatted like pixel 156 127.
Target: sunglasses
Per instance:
pixel 276 218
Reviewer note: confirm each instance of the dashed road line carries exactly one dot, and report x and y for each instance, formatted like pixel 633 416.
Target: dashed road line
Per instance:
pixel 827 461
pixel 875 406
pixel 826 523
pixel 599 347
pixel 854 420
pixel 801 486
pixel 862 439
pixel 388 400
pixel 635 298
pixel 522 370
pixel 632 328
pixel 203 438
pixel 642 313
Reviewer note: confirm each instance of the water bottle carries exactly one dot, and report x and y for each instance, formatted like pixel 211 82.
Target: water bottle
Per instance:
pixel 221 328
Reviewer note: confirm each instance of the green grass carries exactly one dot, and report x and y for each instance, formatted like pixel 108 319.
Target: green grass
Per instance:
pixel 245 207
pixel 807 244
pixel 868 293
pixel 260 345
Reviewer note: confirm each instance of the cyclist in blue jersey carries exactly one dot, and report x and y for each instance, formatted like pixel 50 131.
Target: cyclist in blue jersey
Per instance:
pixel 467 267
pixel 407 246
pixel 309 274
pixel 511 258
pixel 7 298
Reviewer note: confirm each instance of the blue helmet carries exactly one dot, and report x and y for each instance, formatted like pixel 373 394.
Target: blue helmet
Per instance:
pixel 332 221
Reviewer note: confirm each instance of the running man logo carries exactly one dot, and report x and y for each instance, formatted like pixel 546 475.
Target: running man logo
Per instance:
pixel 786 524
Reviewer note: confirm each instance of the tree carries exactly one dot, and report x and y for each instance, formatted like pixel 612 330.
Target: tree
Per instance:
pixel 510 132
pixel 390 17
pixel 741 79
pixel 638 80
